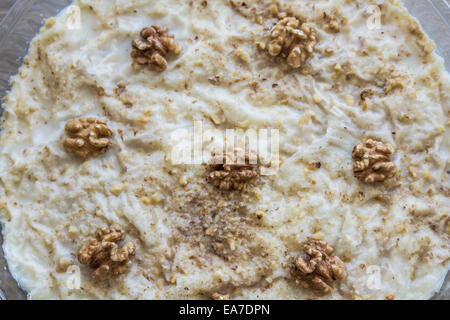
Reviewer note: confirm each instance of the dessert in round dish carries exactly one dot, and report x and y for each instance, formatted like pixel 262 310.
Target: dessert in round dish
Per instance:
pixel 351 202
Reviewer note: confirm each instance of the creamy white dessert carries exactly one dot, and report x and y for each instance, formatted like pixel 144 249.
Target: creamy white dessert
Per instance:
pixel 193 240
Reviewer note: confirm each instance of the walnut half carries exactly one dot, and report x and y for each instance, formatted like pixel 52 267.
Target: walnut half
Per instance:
pixel 227 173
pixel 87 136
pixel 318 269
pixel 372 161
pixel 153 48
pixel 103 254
pixel 292 40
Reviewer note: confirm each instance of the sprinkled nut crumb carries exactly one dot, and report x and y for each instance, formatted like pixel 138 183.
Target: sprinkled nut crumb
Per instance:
pixel 117 189
pixel 218 296
pixel 63 265
pixel 242 55
pixel 156 198
pixel 146 201
pixel 332 22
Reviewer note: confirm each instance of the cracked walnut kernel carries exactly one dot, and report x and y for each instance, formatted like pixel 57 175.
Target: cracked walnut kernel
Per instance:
pixel 153 48
pixel 228 173
pixel 292 40
pixel 318 269
pixel 103 254
pixel 87 136
pixel 372 161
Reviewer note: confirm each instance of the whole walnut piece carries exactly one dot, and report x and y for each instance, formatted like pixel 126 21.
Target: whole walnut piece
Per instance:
pixel 153 48
pixel 372 161
pixel 228 173
pixel 318 269
pixel 292 40
pixel 103 254
pixel 87 136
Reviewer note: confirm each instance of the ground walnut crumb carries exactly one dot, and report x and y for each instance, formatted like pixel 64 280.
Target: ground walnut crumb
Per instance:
pixel 218 296
pixel 63 265
pixel 87 136
pixel 394 83
pixel 366 98
pixel 228 173
pixel 390 296
pixel 314 165
pixel 319 269
pixel 292 40
pixel 153 48
pixel 332 22
pixel 366 94
pixel 103 254
pixel 372 161
pixel 123 95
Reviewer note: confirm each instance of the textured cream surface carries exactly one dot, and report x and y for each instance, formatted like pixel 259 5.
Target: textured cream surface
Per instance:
pixel 192 240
